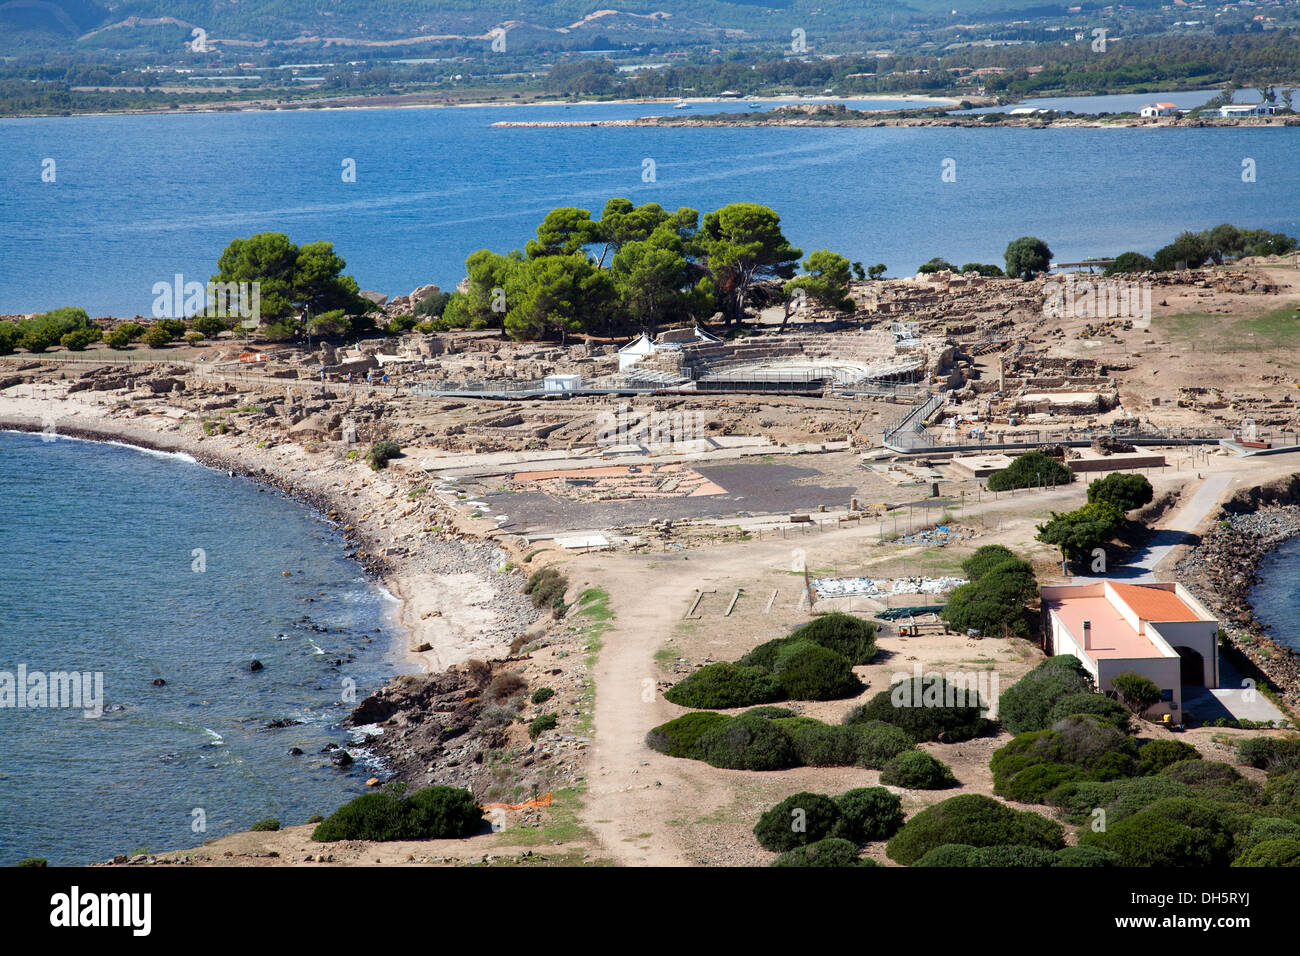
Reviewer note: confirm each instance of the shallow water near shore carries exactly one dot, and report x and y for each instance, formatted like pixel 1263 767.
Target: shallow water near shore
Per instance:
pixel 142 566
pixel 1276 598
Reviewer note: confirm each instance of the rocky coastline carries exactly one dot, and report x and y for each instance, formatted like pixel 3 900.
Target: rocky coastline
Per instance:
pixel 1223 568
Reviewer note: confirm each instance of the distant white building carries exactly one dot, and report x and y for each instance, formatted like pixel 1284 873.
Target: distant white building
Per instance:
pixel 1239 110
pixel 643 345
pixel 1154 110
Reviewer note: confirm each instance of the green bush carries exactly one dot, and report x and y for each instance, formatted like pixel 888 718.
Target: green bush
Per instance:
pixel 263 825
pixel 1011 856
pixel 1076 799
pixel 928 708
pixel 1094 705
pixel 156 337
pixel 1090 747
pixel 381 453
pixel 1028 704
pixel 78 339
pixel 869 813
pixel 947 855
pixel 1137 794
pixel 1030 470
pixel 797 820
pixel 1159 754
pixel 680 737
pixel 824 745
pixel 975 820
pixel 851 636
pixel 723 685
pixel 1283 791
pixel 747 743
pixel 1273 754
pixel 1176 831
pixel 33 861
pixel 771 713
pixel 1124 491
pixel 917 770
pixel 117 339
pixel 541 725
pixel 435 813
pixel 8 342
pixel 1136 692
pixel 828 852
pixel 543 694
pixel 1196 772
pixel 1269 828
pixel 995 603
pixel 876 742
pixel 1085 856
pixel 808 671
pixel 985 558
pixel 1284 852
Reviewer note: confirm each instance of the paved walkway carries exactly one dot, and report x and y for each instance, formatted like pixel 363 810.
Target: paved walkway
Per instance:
pixel 1187 520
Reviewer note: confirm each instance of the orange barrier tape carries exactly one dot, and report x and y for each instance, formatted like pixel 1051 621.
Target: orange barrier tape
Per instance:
pixel 543 801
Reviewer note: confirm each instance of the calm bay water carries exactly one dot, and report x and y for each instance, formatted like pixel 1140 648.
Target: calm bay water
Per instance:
pixel 141 198
pixel 1276 598
pixel 97 575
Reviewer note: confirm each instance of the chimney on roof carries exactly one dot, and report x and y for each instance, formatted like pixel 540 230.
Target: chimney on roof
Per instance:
pixel 1087 635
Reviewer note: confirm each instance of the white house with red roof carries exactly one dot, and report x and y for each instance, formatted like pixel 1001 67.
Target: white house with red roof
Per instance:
pixel 1154 629
pixel 1154 110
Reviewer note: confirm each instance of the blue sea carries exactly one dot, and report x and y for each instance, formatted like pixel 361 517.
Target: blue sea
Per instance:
pixel 137 200
pixel 140 566
pixel 1276 597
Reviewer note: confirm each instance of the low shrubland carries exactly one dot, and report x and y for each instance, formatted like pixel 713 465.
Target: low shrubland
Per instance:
pixel 434 813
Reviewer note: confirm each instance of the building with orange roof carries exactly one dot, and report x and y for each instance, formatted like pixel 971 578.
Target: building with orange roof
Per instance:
pixel 1154 629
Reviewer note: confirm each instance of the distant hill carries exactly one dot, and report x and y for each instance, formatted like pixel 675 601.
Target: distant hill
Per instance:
pixel 93 24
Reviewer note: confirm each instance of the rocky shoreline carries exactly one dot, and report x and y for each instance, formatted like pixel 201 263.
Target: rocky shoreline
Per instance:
pixel 1223 569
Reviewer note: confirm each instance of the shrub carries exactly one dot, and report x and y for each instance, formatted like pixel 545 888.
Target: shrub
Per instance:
pixel 949 855
pixel 542 695
pixel 1030 470
pixel 1136 692
pixel 1094 705
pixel 545 587
pixel 1159 754
pixel 723 685
pixel 1283 791
pixel 680 737
pixel 851 636
pixel 1273 754
pixel 1082 531
pixel 985 559
pixel 1124 491
pixel 156 337
pixel 1078 748
pixel 869 813
pixel 381 453
pixel 1139 793
pixel 541 725
pixel 1270 828
pixel 927 708
pixel 824 745
pixel 917 770
pixel 209 326
pixel 193 337
pixel 1200 773
pixel 808 671
pixel 1271 853
pixel 133 330
pixel 1127 262
pixel 877 742
pixel 1029 702
pixel 797 820
pixel 263 825
pixel 1077 799
pixel 995 603
pixel 33 861
pixel 1177 831
pixel 1085 856
pixel 975 820
pixel 78 339
pixel 8 342
pixel 771 713
pixel 829 852
pixel 117 339
pixel 1018 856
pixel 747 743
pixel 504 686
pixel 432 814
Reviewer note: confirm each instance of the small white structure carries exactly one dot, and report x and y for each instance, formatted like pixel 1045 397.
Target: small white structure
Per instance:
pixel 561 383
pixel 1239 110
pixel 1154 110
pixel 635 351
